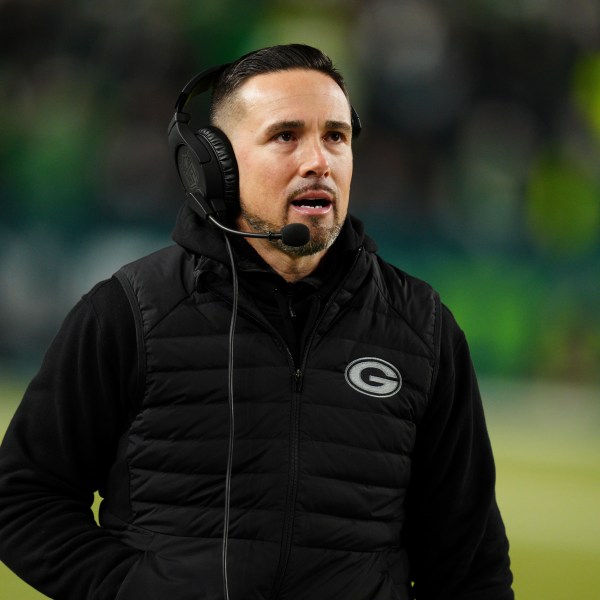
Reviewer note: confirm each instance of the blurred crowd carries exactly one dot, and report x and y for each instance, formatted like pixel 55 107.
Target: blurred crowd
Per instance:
pixel 478 167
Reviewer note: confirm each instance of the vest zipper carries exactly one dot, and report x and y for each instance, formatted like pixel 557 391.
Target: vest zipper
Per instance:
pixel 290 506
pixel 290 501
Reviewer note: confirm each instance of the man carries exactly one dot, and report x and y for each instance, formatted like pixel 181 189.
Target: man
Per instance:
pixel 359 467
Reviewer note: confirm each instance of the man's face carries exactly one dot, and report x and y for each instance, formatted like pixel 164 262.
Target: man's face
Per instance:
pixel 291 134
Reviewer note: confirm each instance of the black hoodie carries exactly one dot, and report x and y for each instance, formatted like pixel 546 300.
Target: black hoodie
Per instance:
pixel 61 443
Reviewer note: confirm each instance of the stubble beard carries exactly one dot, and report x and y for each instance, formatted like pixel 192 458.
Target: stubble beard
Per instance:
pixel 321 237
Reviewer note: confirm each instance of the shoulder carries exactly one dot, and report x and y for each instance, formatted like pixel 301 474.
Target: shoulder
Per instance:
pixel 107 304
pixel 400 280
pixel 157 283
pixel 410 296
pixel 105 298
pixel 160 266
pixel 169 271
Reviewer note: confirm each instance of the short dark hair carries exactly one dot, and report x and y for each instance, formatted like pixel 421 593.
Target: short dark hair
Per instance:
pixel 270 60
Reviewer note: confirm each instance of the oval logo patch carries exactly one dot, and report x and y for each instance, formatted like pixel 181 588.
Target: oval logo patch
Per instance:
pixel 373 377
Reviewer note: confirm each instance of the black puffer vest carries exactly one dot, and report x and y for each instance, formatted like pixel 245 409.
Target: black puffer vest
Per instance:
pixel 322 450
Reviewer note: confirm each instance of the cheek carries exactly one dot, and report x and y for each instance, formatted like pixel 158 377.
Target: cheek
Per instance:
pixel 267 181
pixel 254 170
pixel 249 177
pixel 345 175
pixel 262 188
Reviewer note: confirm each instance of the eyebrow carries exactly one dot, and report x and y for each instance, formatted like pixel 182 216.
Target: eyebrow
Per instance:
pixel 341 125
pixel 280 126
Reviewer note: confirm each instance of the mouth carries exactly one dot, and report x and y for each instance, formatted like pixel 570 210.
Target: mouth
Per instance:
pixel 313 203
pixel 317 203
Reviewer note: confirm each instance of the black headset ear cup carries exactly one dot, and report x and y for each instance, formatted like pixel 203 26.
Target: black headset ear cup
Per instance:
pixel 227 164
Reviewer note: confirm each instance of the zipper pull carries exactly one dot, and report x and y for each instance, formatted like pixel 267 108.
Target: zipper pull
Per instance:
pixel 298 379
pixel 290 307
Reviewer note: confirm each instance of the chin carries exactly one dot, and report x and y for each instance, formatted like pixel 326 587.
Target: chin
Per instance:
pixel 321 238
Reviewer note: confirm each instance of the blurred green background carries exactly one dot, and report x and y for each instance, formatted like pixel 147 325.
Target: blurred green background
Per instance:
pixel 478 170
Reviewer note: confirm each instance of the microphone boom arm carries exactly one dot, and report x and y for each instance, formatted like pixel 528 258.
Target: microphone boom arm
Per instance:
pixel 293 234
pixel 269 235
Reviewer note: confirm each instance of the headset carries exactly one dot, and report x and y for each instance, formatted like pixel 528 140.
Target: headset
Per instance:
pixel 204 159
pixel 207 167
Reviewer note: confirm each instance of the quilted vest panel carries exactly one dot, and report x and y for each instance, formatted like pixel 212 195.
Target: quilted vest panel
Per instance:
pixel 322 448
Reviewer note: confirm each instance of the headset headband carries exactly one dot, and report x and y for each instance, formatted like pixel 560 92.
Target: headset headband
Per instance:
pixel 199 84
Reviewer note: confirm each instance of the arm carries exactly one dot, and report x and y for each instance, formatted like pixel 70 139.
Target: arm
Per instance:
pixel 455 535
pixel 58 449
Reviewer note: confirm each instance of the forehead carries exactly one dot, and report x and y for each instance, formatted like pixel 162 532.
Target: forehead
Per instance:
pixel 270 94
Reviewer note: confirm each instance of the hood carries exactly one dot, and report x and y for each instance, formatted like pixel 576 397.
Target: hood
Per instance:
pixel 198 235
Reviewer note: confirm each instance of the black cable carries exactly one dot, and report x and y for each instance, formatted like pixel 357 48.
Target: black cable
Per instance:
pixel 231 421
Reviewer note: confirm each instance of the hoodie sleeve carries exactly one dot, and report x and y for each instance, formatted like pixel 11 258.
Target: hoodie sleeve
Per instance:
pixel 455 535
pixel 57 451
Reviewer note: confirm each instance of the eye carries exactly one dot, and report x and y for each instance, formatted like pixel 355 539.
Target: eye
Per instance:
pixel 284 136
pixel 336 137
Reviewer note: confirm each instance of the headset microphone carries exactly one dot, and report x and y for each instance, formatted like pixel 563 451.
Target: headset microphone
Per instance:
pixel 294 234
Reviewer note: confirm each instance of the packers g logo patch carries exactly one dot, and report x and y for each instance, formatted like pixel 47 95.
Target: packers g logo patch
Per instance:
pixel 373 377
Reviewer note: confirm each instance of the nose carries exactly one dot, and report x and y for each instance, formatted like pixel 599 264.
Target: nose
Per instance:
pixel 314 162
